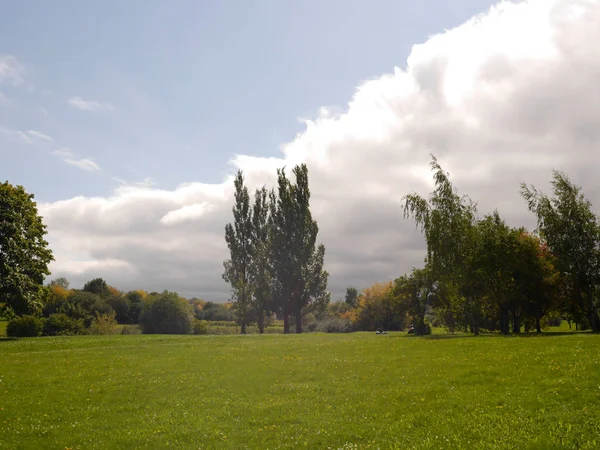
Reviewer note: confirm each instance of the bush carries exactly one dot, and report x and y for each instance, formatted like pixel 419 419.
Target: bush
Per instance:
pixel 104 324
pixel 335 325
pixel 200 327
pixel 62 325
pixel 167 314
pixel 25 326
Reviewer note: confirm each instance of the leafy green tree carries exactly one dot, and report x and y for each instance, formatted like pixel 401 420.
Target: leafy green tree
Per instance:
pixel 239 240
pixel 351 296
pixel 24 253
pixel 299 279
pixel 167 314
pixel 447 221
pixel 97 286
pixel 260 270
pixel 568 225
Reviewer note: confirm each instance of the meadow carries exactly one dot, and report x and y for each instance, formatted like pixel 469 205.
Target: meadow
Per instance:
pixel 330 391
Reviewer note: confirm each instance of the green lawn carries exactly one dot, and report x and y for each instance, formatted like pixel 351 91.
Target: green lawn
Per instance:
pixel 300 391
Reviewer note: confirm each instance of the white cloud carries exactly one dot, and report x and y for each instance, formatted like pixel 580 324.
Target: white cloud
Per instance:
pixel 502 99
pixel 67 155
pixel 40 135
pixel 88 105
pixel 15 136
pixel 11 70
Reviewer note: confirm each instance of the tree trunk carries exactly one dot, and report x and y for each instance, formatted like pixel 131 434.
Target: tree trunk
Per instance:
pixel 286 323
pixel 243 328
pixel 516 324
pixel 538 328
pixel 504 322
pixel 298 314
pixel 261 322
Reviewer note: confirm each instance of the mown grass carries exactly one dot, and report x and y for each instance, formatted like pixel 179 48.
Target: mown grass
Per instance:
pixel 312 391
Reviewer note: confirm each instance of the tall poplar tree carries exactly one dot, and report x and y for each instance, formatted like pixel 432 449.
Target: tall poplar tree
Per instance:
pixel 239 240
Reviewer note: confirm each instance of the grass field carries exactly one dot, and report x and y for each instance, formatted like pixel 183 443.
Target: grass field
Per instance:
pixel 312 391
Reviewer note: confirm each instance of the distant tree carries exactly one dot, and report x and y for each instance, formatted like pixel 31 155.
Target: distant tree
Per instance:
pixel 167 314
pixel 24 253
pixel 239 241
pixel 570 228
pixel 61 282
pixel 415 293
pixel 122 308
pixel 351 296
pixel 97 286
pixel 299 279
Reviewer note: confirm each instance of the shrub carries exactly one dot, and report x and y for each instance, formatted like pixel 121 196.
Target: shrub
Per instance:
pixel 200 327
pixel 167 314
pixel 335 325
pixel 104 323
pixel 423 329
pixel 62 325
pixel 24 326
pixel 130 329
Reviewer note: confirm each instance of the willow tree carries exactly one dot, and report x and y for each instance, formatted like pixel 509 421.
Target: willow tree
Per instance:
pixel 239 240
pixel 570 228
pixel 299 279
pixel 447 221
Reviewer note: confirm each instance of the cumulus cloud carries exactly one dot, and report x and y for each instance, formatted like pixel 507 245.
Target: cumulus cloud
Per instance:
pixel 88 105
pixel 504 98
pixel 11 70
pixel 67 155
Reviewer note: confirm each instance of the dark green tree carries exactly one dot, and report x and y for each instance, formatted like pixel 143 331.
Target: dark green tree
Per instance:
pixel 568 225
pixel 416 294
pixel 260 270
pixel 239 240
pixel 300 281
pixel 24 253
pixel 97 286
pixel 351 296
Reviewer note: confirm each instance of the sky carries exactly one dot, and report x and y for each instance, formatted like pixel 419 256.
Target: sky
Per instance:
pixel 128 120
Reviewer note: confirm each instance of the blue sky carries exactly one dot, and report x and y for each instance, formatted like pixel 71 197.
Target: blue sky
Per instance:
pixel 180 87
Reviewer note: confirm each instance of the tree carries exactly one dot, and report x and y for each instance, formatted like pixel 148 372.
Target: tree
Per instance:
pixel 167 314
pixel 97 286
pixel 415 293
pixel 61 282
pixel 300 281
pixel 239 240
pixel 569 227
pixel 260 270
pixel 447 221
pixel 351 296
pixel 24 253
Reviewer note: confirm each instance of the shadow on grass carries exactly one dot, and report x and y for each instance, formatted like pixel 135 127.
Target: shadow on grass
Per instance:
pixel 3 338
pixel 436 337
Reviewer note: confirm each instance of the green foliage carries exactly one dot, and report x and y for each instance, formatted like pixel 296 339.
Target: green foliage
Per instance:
pixel 25 326
pixel 167 314
pixel 24 253
pixel 354 390
pixel 200 326
pixel 61 282
pixel 63 325
pixel 97 286
pixel 334 325
pixel 238 237
pixel 104 323
pixel 570 228
pixel 214 312
pixel 351 296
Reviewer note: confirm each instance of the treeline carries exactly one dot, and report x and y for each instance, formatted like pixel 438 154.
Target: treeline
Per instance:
pixel 481 274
